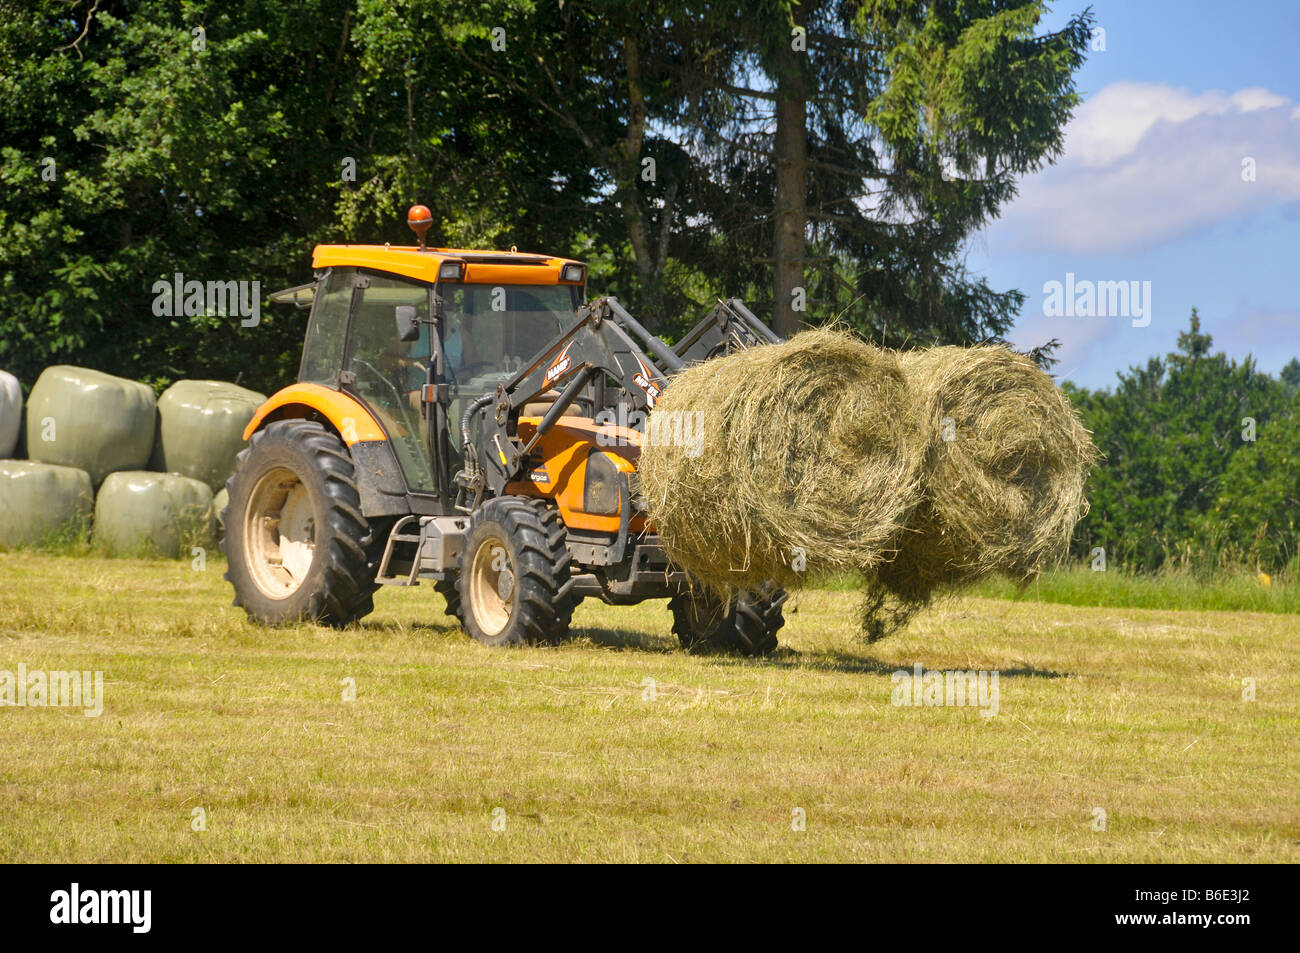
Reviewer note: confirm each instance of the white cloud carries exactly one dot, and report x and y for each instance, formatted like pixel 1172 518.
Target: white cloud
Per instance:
pixel 1270 332
pixel 1145 163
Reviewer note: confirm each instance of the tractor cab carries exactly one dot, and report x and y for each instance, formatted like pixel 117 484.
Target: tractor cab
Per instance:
pixel 400 328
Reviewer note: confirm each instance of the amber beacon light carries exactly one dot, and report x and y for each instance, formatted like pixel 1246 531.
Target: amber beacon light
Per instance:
pixel 419 218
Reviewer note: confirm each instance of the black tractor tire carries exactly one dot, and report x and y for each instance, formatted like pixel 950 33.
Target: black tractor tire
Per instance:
pixel 320 567
pixel 745 625
pixel 514 567
pixel 374 543
pixel 449 589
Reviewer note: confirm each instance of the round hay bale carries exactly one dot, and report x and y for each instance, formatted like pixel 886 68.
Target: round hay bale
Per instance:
pixel 201 429
pixel 783 462
pixel 90 420
pixel 39 502
pixel 1006 463
pixel 146 513
pixel 11 413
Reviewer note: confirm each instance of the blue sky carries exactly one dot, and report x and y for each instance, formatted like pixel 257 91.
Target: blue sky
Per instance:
pixel 1150 188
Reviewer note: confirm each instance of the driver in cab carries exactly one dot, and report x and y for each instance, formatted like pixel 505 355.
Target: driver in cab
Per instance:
pixel 462 354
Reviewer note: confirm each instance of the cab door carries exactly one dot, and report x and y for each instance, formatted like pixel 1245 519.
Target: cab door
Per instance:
pixel 387 373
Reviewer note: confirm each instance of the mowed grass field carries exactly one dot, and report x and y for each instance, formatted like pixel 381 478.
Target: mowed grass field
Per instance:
pixel 1138 713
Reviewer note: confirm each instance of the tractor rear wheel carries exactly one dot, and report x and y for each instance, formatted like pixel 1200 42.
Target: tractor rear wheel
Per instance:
pixel 743 625
pixel 297 546
pixel 515 564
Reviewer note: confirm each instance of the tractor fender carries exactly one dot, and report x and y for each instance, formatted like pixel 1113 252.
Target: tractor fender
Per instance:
pixel 346 415
pixel 379 478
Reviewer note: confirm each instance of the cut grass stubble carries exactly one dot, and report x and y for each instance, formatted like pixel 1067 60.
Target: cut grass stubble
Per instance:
pixel 617 746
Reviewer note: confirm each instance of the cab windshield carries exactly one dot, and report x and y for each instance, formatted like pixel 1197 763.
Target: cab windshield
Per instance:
pixel 491 330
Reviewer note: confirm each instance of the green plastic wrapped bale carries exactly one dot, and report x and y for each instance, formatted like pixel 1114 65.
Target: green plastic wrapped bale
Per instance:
pixel 219 504
pixel 90 420
pixel 11 413
pixel 140 513
pixel 40 502
pixel 201 429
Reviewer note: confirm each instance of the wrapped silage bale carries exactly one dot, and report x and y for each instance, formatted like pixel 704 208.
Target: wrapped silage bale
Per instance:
pixel 90 420
pixel 11 413
pixel 201 429
pixel 41 501
pixel 219 504
pixel 144 513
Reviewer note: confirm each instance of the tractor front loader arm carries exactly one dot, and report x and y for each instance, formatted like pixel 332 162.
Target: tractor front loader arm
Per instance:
pixel 600 342
pixel 730 326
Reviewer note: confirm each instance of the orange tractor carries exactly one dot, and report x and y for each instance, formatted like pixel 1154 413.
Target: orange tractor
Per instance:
pixel 468 418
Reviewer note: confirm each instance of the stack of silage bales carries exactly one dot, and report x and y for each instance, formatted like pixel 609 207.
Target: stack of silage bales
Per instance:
pixel 963 462
pixel 155 464
pixel 82 425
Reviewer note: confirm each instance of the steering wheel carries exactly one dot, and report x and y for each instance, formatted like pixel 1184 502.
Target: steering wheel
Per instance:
pixel 470 370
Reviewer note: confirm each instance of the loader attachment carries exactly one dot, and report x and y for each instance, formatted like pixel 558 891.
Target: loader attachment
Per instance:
pixel 600 342
pixel 730 326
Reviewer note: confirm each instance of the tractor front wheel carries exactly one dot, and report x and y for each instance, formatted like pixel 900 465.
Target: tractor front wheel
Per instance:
pixel 511 574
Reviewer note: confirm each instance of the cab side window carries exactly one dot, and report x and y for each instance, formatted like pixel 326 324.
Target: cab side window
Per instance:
pixel 376 355
pixel 322 352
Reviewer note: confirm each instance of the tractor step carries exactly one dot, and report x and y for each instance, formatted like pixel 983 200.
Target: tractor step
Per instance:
pixel 421 547
pixel 405 548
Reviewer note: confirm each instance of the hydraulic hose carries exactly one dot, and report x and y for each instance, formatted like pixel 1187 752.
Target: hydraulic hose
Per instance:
pixel 470 411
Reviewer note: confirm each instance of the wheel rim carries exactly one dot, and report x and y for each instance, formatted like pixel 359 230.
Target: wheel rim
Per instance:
pixel 279 533
pixel 491 587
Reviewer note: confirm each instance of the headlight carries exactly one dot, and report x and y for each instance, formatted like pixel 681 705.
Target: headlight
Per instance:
pixel 451 271
pixel 600 491
pixel 573 273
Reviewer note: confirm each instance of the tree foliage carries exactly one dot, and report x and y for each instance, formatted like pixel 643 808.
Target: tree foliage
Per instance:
pixel 1199 463
pixel 145 138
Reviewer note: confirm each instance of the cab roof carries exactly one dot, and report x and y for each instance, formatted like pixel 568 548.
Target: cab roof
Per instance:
pixel 480 267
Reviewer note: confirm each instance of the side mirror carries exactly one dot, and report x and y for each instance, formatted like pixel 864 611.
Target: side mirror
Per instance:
pixel 408 327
